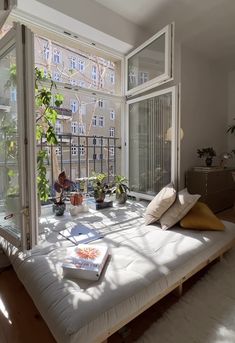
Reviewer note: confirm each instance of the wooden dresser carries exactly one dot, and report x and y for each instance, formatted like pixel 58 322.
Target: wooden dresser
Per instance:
pixel 216 186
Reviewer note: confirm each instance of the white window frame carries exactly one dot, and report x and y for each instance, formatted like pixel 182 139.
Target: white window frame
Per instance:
pixel 111 150
pixel 94 74
pixel 143 76
pixel 58 150
pixel 82 150
pixel 74 150
pixel 16 36
pixel 112 132
pixel 74 127
pixel 73 62
pixel 56 76
pixel 46 51
pixel 112 77
pixel 175 136
pixel 81 65
pixel 112 115
pixel 73 82
pixel 81 128
pixel 74 105
pixel 94 121
pixel 58 127
pixel 168 31
pixel 101 103
pixel 56 55
pixel 101 121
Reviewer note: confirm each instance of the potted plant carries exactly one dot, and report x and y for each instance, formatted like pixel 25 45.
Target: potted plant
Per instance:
pixel 100 187
pixel 208 154
pixel 61 185
pixel 120 188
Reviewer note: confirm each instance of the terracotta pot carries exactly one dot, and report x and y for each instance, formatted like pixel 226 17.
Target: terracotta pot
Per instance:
pixel 76 199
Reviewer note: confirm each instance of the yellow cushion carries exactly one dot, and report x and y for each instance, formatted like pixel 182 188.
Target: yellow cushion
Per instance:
pixel 200 217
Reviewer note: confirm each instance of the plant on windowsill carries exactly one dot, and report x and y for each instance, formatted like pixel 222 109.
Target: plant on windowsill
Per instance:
pixel 208 154
pixel 100 187
pixel 61 185
pixel 120 188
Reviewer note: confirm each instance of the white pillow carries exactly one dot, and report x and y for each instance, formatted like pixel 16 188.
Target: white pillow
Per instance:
pixel 184 202
pixel 160 204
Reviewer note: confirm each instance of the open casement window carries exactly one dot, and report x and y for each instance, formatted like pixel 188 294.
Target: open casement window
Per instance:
pixel 151 63
pixel 152 142
pixel 152 121
pixel 18 199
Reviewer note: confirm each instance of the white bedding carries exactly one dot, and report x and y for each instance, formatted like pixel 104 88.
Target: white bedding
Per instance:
pixel 144 262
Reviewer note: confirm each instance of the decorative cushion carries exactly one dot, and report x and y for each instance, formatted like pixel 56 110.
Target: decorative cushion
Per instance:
pixel 184 202
pixel 200 217
pixel 160 204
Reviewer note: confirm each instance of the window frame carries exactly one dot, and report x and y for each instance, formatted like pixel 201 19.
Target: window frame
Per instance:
pixel 167 76
pixel 58 54
pixel 175 136
pixel 101 119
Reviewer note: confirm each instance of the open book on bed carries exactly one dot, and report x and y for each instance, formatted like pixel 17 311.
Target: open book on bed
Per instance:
pixel 80 234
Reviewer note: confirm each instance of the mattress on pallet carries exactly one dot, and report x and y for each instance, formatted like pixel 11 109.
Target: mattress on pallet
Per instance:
pixel 145 263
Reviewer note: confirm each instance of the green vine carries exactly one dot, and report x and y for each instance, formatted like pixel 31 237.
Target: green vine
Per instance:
pixel 46 116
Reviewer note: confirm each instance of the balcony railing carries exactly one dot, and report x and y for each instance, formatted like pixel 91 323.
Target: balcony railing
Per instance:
pixel 80 155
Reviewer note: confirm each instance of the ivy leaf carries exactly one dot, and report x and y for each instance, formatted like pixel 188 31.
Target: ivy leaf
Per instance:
pixel 58 99
pixel 39 132
pixel 51 115
pixel 51 136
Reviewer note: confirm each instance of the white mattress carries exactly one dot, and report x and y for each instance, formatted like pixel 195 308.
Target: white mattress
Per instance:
pixel 144 262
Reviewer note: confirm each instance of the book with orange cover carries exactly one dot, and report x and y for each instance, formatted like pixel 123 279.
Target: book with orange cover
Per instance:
pixel 85 261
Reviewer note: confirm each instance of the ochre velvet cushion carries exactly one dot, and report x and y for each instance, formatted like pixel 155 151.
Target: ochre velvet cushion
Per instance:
pixel 160 204
pixel 183 203
pixel 200 217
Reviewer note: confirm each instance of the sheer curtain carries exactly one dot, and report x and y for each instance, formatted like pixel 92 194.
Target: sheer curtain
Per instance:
pixel 150 121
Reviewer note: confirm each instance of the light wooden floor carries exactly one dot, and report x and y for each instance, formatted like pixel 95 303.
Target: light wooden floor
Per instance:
pixel 20 322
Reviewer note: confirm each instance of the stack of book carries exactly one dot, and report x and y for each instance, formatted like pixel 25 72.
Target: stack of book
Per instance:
pixel 85 261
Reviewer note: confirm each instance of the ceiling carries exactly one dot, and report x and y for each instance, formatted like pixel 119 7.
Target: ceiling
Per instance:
pixel 204 25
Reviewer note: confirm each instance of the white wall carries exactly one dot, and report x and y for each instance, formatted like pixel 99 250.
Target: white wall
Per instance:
pixel 203 108
pixel 231 108
pixel 100 18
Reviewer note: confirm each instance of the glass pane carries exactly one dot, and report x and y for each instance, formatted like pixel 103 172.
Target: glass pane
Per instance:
pixel 150 144
pixel 147 64
pixel 9 172
pixel 78 66
pixel 89 134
